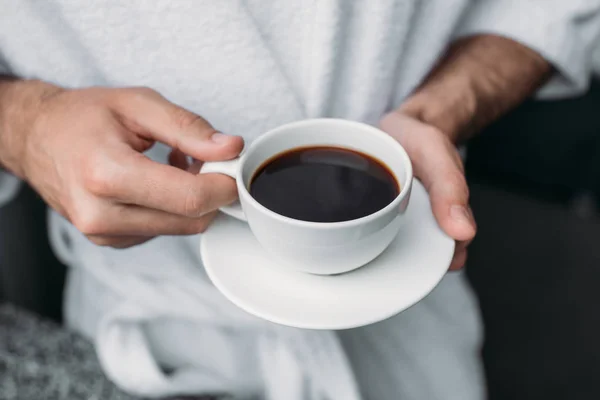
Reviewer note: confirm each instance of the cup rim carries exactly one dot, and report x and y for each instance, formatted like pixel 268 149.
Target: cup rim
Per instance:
pixel 404 190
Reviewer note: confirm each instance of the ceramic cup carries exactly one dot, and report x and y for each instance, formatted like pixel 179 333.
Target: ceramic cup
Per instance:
pixel 323 248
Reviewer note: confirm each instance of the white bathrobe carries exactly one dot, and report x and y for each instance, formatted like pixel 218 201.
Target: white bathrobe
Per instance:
pixel 247 66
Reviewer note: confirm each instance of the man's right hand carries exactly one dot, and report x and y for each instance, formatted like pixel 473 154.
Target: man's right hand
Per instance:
pixel 82 150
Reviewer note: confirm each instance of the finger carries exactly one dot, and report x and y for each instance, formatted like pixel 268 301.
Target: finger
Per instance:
pixel 138 221
pixel 459 260
pixel 460 255
pixel 126 241
pixel 195 167
pixel 137 180
pixel 437 165
pixel 127 221
pixel 462 245
pixel 118 242
pixel 147 113
pixel 178 159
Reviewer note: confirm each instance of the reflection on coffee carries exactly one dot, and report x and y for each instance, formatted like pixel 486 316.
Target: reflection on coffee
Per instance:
pixel 324 184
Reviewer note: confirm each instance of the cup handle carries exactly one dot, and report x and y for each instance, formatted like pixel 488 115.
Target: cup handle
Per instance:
pixel 226 168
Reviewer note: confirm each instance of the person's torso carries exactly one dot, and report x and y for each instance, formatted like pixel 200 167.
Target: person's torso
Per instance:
pixel 244 65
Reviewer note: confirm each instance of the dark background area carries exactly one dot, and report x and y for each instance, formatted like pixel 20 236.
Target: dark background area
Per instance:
pixel 535 264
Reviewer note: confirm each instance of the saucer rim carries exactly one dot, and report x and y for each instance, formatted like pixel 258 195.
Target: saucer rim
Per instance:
pixel 265 315
pixel 349 323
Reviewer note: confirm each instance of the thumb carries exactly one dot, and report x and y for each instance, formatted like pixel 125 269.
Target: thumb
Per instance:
pixel 437 164
pixel 148 114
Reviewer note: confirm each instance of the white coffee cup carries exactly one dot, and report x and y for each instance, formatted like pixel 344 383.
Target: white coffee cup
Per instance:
pixel 319 247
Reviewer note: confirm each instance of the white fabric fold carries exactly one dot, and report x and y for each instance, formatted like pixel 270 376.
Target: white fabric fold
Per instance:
pixel 162 329
pixel 170 332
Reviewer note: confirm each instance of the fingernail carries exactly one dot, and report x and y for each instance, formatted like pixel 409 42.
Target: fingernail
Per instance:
pixel 460 214
pixel 220 138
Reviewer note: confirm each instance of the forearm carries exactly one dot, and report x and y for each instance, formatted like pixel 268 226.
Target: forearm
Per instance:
pixel 19 102
pixel 478 80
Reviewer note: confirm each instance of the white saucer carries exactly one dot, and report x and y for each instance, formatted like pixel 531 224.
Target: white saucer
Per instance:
pixel 405 273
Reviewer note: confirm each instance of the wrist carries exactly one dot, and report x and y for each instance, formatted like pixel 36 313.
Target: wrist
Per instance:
pixel 478 80
pixel 20 104
pixel 450 107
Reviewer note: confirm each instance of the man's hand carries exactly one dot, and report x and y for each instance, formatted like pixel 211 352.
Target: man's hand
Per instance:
pixel 437 164
pixel 479 79
pixel 82 151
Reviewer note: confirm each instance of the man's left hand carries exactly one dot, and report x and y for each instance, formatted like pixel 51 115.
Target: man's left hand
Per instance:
pixel 438 166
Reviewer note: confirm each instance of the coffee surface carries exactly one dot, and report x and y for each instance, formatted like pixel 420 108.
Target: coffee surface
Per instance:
pixel 324 184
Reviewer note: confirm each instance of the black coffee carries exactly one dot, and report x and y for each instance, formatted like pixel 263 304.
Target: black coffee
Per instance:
pixel 324 184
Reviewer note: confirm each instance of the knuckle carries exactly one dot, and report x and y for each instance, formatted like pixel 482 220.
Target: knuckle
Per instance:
pixel 195 202
pixel 90 222
pixel 99 177
pixel 184 119
pixel 97 181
